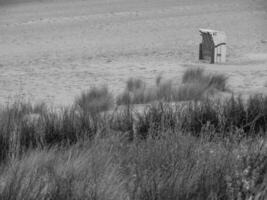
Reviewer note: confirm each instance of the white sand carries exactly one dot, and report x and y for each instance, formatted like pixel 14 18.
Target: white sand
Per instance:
pixel 52 50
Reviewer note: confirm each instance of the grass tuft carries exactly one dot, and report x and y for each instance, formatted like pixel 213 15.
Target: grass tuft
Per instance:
pixel 198 76
pixel 193 75
pixel 196 85
pixel 95 100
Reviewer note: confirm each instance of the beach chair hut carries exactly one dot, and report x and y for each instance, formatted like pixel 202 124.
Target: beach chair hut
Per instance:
pixel 213 46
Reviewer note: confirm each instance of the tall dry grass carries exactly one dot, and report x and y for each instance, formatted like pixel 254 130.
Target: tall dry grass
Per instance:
pixel 208 149
pixel 219 117
pixel 24 126
pixel 173 167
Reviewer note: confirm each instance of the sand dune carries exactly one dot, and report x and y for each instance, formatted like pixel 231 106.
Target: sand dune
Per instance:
pixel 51 50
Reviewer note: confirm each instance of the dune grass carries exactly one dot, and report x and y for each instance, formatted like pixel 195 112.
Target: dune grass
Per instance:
pixel 173 167
pixel 196 84
pixel 136 92
pixel 194 75
pixel 200 77
pixel 95 100
pixel 218 118
pixel 208 149
pixel 24 126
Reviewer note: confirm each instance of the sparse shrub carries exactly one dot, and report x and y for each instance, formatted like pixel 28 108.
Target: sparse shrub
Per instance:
pixel 193 75
pixel 158 80
pixel 196 85
pixel 124 98
pixel 136 92
pixel 165 91
pixel 218 81
pixel 190 91
pixel 133 84
pixel 208 81
pixel 138 96
pixel 95 100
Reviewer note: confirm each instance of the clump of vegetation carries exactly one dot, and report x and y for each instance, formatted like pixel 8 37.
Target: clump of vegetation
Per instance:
pixel 136 92
pixel 218 81
pixel 190 92
pixel 164 90
pixel 174 167
pixel 209 81
pixel 95 100
pixel 17 127
pixel 122 121
pixel 84 171
pixel 24 126
pixel 208 149
pixel 194 75
pixel 219 118
pixel 196 85
pixel 156 119
pixel 134 84
pixel 124 98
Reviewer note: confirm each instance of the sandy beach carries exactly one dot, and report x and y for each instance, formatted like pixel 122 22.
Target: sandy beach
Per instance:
pixel 52 50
